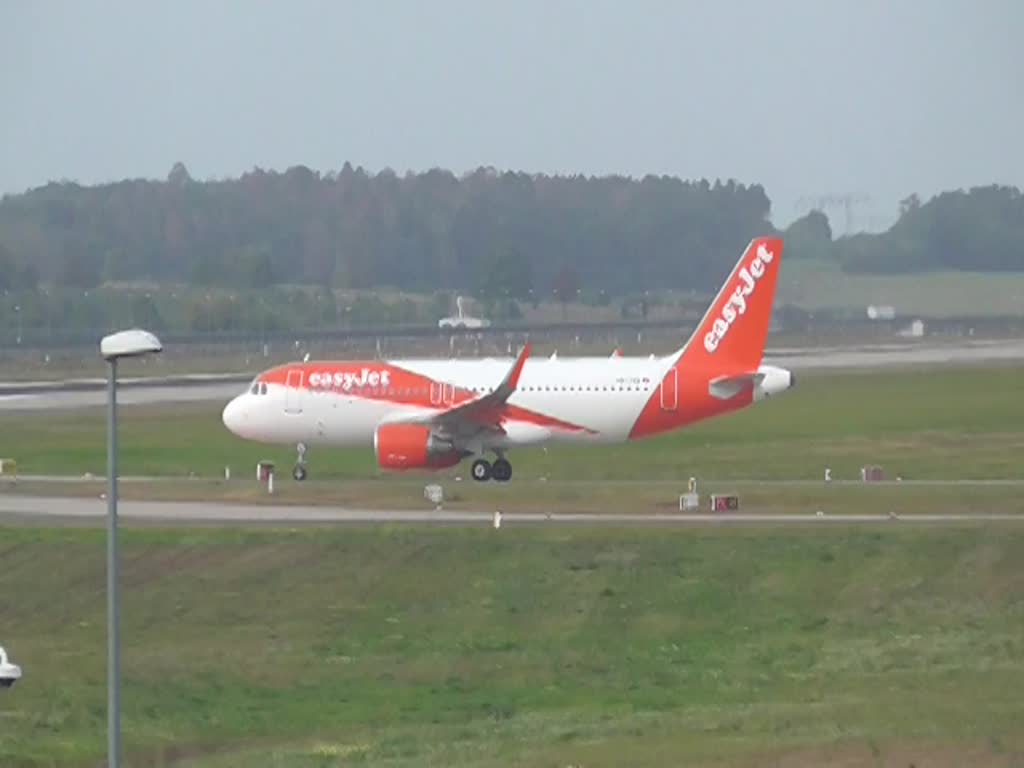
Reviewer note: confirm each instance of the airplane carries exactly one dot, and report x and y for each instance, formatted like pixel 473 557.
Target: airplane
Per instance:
pixel 431 414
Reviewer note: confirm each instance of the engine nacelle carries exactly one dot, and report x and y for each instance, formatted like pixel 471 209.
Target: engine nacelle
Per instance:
pixel 10 673
pixel 412 446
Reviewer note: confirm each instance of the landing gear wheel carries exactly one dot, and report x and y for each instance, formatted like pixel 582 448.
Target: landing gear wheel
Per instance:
pixel 502 470
pixel 481 470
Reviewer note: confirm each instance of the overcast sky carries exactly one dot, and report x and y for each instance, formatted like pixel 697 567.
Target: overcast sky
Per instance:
pixel 873 98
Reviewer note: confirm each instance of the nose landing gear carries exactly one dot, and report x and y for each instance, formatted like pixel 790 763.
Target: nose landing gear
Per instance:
pixel 299 471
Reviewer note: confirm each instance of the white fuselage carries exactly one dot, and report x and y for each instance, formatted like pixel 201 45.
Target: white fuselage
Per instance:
pixel 602 396
pixel 594 399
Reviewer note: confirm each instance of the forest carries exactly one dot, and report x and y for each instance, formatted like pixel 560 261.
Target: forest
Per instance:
pixel 500 236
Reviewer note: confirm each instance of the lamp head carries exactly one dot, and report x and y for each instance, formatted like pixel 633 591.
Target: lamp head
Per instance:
pixel 131 343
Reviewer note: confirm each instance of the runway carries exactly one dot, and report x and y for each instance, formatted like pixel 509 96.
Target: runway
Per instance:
pixel 44 509
pixel 138 395
pixel 211 388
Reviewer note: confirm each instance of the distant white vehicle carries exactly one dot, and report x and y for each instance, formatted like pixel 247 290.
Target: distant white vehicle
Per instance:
pixel 9 673
pixel 913 331
pixel 462 320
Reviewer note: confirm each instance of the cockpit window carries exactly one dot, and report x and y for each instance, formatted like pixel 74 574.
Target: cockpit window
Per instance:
pixel 258 387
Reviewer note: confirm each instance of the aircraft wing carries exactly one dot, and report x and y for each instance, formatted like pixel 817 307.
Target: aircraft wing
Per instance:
pixel 484 412
pixel 484 417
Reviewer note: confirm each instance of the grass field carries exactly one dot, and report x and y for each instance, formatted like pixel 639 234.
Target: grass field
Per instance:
pixel 456 647
pixel 317 647
pixel 823 285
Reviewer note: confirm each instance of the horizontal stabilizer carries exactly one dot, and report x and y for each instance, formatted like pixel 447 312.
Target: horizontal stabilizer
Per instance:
pixel 727 387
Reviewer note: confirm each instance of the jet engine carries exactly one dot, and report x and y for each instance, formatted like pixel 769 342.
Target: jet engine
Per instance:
pixel 413 446
pixel 10 673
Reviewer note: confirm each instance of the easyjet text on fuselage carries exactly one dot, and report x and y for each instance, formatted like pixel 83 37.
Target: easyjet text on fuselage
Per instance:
pixel 345 380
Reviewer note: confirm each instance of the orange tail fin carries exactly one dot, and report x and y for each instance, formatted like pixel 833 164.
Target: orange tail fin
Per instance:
pixel 732 334
pixel 714 372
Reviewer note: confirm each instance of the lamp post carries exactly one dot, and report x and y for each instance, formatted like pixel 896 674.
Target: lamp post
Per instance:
pixel 131 343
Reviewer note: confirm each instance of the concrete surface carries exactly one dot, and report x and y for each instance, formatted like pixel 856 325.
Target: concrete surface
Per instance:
pixel 56 509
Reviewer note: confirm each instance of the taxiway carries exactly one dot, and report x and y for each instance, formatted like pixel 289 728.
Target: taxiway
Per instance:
pixel 41 509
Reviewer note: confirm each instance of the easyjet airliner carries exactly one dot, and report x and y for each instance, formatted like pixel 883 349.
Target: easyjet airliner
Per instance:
pixel 433 414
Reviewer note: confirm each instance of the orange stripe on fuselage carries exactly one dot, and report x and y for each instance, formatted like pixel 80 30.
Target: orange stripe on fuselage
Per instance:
pixel 372 380
pixel 515 413
pixel 384 382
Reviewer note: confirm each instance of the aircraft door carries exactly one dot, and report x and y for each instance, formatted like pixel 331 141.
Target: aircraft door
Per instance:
pixel 293 392
pixel 442 393
pixel 670 391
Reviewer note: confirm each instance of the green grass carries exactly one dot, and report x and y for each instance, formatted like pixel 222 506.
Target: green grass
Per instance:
pixel 823 285
pixel 459 647
pixel 924 424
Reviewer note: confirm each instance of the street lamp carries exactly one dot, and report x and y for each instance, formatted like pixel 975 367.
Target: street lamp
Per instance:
pixel 131 343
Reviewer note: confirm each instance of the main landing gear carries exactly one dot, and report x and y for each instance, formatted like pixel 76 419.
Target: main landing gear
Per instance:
pixel 299 471
pixel 501 471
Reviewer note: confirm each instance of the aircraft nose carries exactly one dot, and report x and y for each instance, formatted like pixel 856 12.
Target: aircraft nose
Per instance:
pixel 234 415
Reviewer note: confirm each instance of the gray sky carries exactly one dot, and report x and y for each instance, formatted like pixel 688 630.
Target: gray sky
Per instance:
pixel 878 98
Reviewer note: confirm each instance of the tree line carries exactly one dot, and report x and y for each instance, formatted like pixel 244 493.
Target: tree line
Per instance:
pixel 355 230
pixel 977 230
pixel 499 235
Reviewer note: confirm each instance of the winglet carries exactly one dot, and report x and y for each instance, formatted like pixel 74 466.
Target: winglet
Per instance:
pixel 492 402
pixel 511 381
